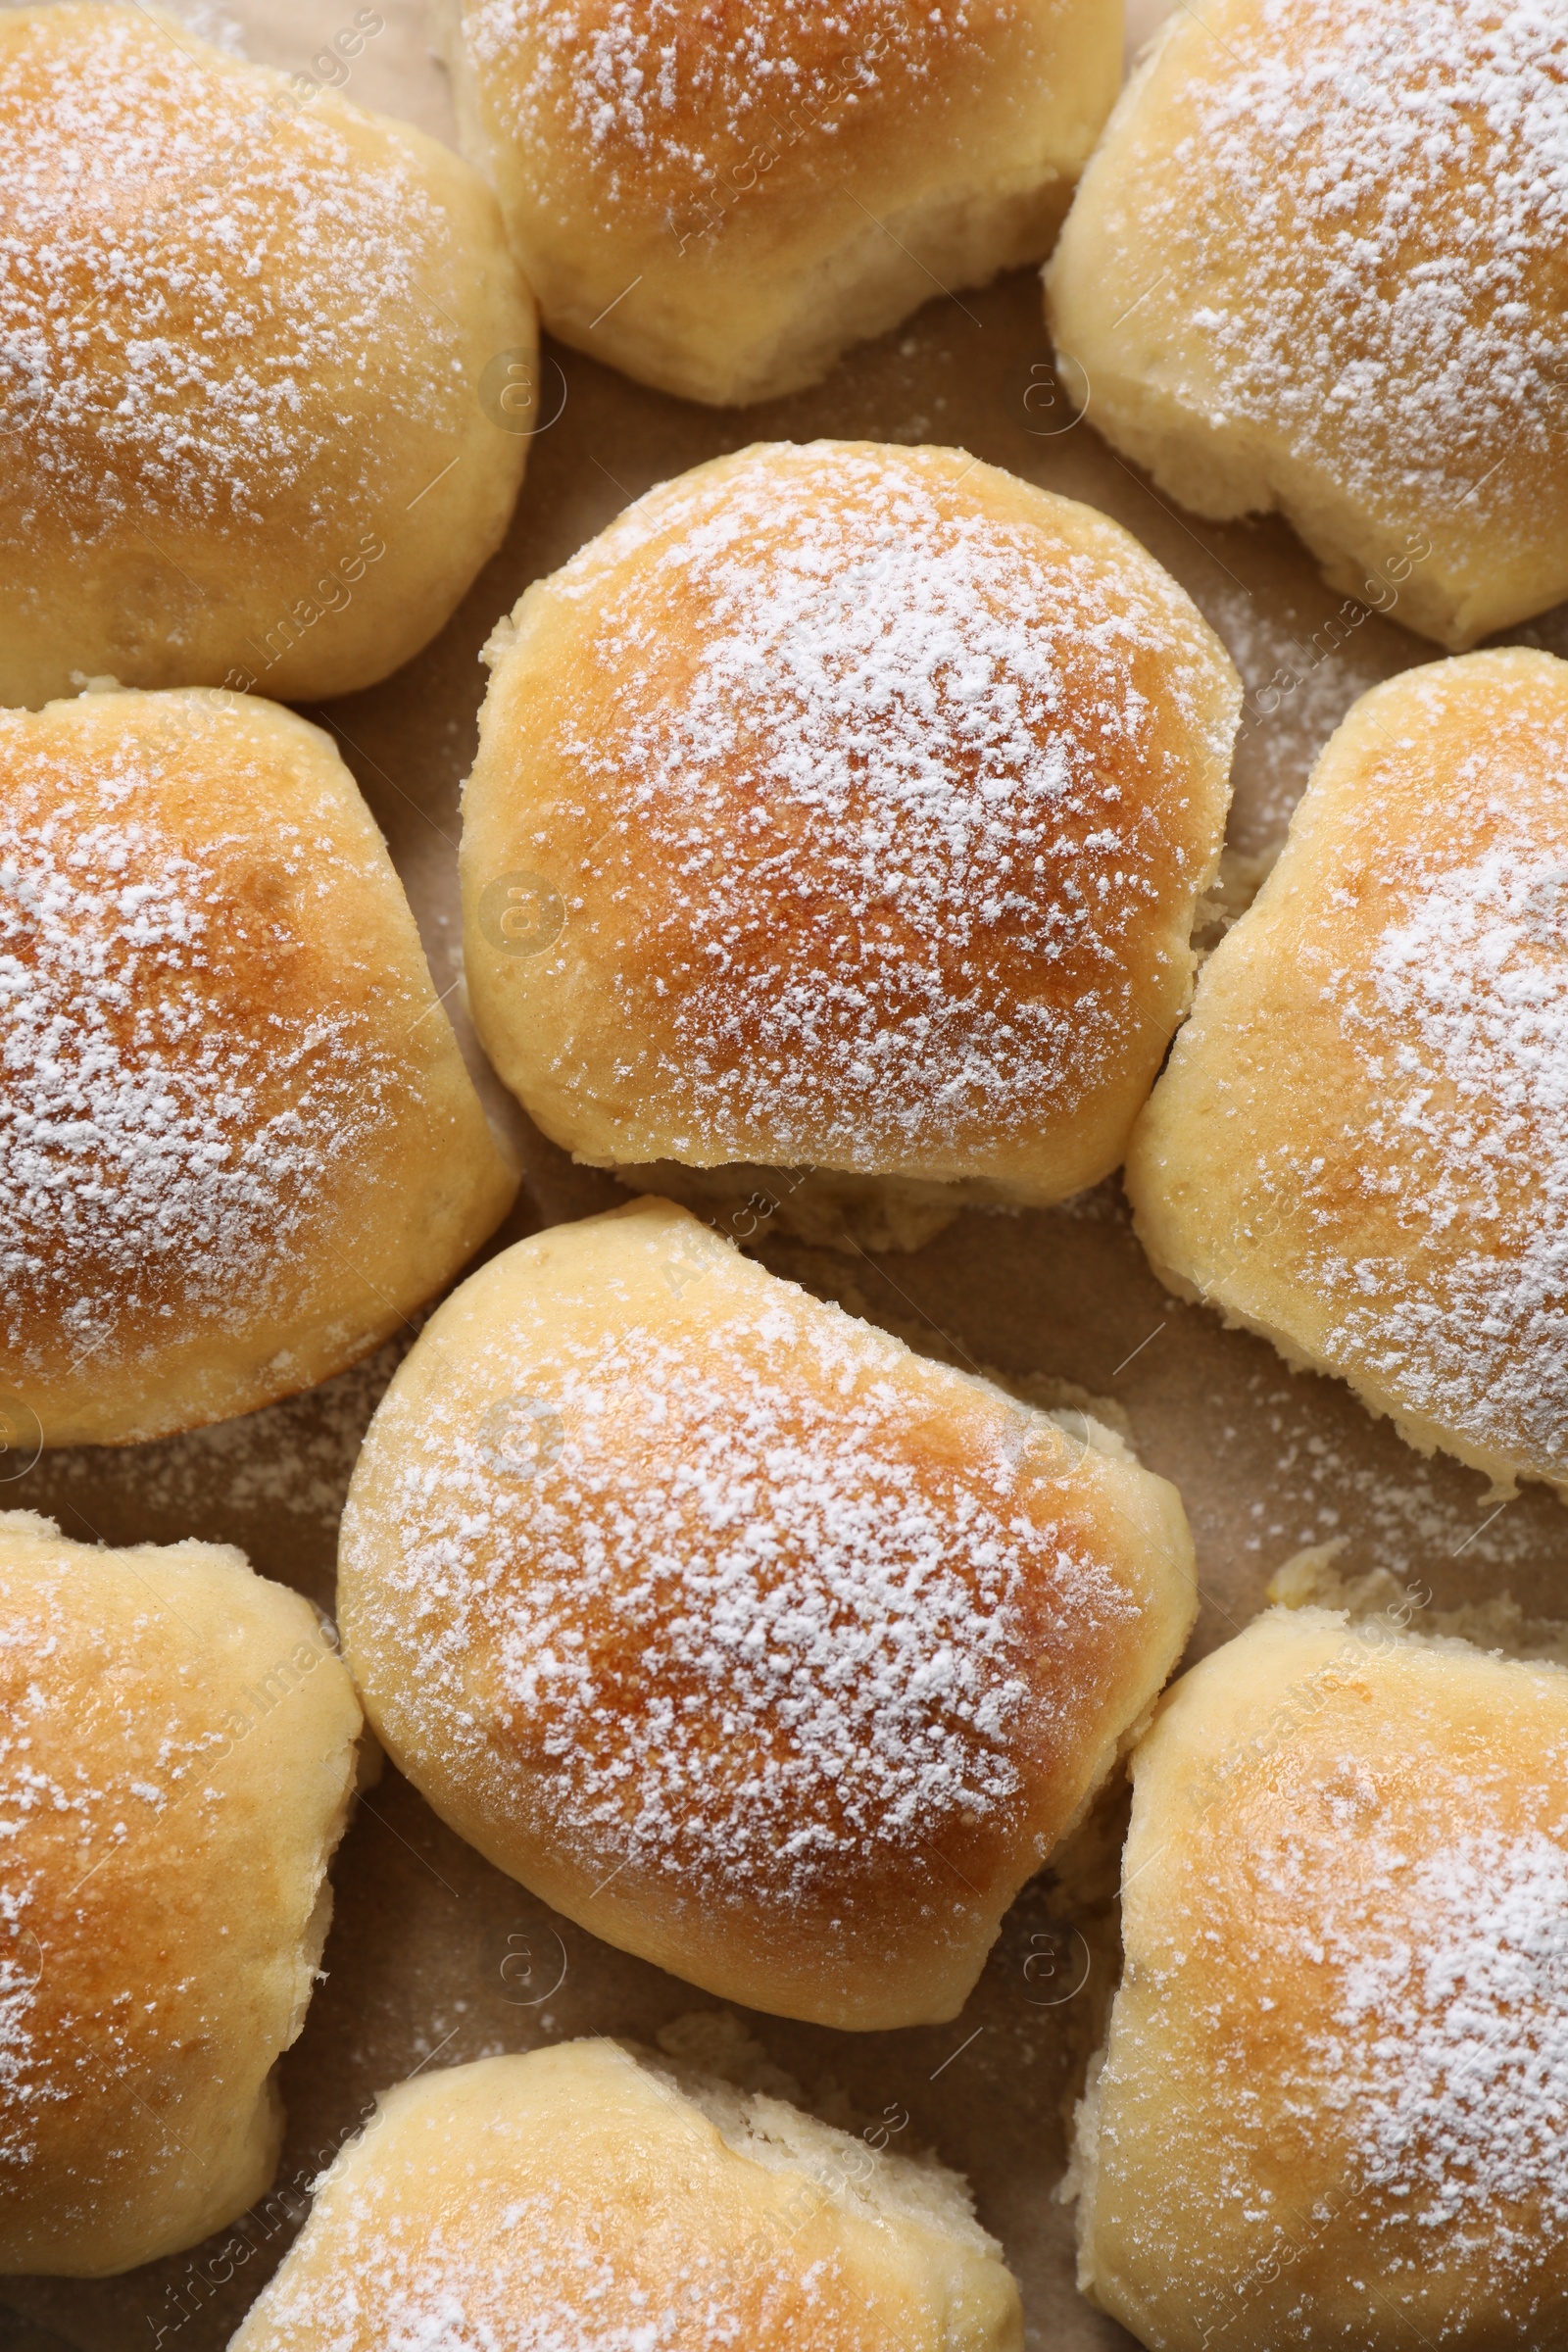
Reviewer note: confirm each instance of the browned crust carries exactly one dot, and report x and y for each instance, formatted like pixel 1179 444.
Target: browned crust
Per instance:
pixel 1304 1796
pixel 178 1769
pixel 1330 1163
pixel 715 953
pixel 847 1909
pixel 244 377
pixel 302 983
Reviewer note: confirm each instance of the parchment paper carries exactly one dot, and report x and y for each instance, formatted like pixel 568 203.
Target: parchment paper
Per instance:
pixel 434 1958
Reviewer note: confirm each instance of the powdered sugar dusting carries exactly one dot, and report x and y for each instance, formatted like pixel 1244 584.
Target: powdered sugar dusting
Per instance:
pixel 1435 2046
pixel 1461 1022
pixel 652 98
pixel 272 1482
pixel 24 2084
pixel 1453 2032
pixel 897 859
pixel 203 288
pixel 733 1627
pixel 1362 1983
pixel 165 1138
pixel 1380 187
pixel 533 2274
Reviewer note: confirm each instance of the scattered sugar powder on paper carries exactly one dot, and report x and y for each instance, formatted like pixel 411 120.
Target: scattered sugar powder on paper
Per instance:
pixel 894 862
pixel 1399 1511
pixel 1380 190
pixel 272 1482
pixel 162 1149
pixel 1462 1023
pixel 729 1628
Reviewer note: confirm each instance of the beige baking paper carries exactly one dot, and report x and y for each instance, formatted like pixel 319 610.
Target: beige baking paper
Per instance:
pixel 434 1958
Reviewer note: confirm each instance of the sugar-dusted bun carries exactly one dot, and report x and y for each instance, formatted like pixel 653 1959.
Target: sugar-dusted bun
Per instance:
pixel 1331 2106
pixel 846 806
pixel 1320 263
pixel 238 1141
pixel 1361 1144
pixel 719 202
pixel 596 2197
pixel 175 1770
pixel 243 342
pixel 750 1639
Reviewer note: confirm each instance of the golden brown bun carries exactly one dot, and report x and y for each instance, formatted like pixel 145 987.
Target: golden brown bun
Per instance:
pixel 238 1141
pixel 750 1640
pixel 597 2196
pixel 174 1772
pixel 1320 263
pixel 241 337
pixel 853 802
pixel 1331 2110
pixel 718 201
pixel 1361 1144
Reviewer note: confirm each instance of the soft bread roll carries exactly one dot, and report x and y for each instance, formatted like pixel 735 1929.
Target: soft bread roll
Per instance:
pixel 846 806
pixel 1361 1144
pixel 721 202
pixel 599 2197
pixel 221 1064
pixel 1320 263
pixel 752 1641
pixel 1330 2107
pixel 175 1769
pixel 243 343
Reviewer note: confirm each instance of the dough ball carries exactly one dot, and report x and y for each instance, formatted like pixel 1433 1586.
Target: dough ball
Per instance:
pixel 238 1144
pixel 720 200
pixel 247 433
pixel 1319 263
pixel 1360 1147
pixel 175 1770
pixel 597 2195
pixel 843 809
pixel 752 1641
pixel 1330 2108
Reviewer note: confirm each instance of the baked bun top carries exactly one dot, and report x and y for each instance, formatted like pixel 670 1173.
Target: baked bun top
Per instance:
pixel 174 1771
pixel 598 2197
pixel 719 199
pixel 220 1055
pixel 640 106
pixel 1332 2105
pixel 1361 1144
pixel 241 335
pixel 1333 235
pixel 867 793
pixel 756 1642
